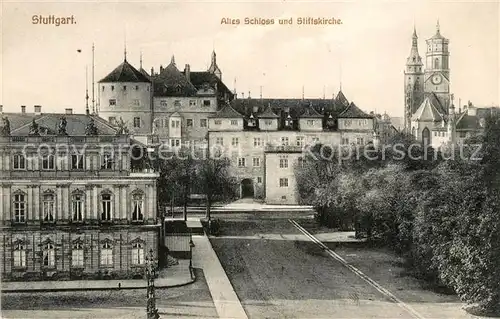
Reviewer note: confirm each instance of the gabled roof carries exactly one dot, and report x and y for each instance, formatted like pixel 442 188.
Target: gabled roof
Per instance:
pixel 75 124
pixel 198 79
pixel 268 113
pixel 427 111
pixel 467 122
pixel 172 82
pixel 227 112
pixel 125 72
pixel 353 111
pixel 310 112
pixel 145 73
pixel 341 100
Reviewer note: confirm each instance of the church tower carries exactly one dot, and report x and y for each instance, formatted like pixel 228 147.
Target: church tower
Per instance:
pixel 414 78
pixel 214 68
pixel 437 68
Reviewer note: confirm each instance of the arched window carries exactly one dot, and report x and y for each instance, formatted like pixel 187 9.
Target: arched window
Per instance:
pixel 436 63
pixel 426 136
pixel 137 254
pixel 48 255
pixel 19 255
pixel 77 255
pixel 48 207
pixel 77 207
pixel 413 131
pixel 137 207
pixel 106 207
pixel 106 254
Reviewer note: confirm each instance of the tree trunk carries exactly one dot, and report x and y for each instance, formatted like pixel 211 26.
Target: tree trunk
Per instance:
pixel 172 205
pixel 207 205
pixel 185 210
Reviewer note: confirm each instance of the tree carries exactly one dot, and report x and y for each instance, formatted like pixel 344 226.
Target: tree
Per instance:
pixel 215 181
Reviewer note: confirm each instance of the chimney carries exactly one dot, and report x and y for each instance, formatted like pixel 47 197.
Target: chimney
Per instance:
pixel 161 68
pixel 23 108
pixel 152 71
pixel 187 71
pixel 243 95
pixel 69 111
pixel 37 109
pixel 1 108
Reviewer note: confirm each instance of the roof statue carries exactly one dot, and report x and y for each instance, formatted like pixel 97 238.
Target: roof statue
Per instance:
pixel 4 126
pixel 62 126
pixel 34 129
pixel 122 127
pixel 91 129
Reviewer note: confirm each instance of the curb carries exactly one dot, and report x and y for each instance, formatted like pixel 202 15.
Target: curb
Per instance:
pixel 193 279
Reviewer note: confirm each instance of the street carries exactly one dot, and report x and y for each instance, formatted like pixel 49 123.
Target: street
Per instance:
pixel 278 273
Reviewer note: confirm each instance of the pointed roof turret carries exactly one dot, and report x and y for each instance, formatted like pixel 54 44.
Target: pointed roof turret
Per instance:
pixel 438 32
pixel 125 72
pixel 172 60
pixel 414 58
pixel 341 101
pixel 214 68
pixel 227 112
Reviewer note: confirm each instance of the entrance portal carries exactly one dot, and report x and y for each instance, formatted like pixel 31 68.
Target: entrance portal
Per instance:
pixel 247 188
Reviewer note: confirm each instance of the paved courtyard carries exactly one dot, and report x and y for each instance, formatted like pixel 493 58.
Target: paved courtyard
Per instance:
pixel 279 273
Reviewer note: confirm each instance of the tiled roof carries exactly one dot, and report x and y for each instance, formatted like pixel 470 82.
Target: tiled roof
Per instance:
pixel 172 82
pixel 227 112
pixel 427 112
pixel 125 72
pixel 75 124
pixel 467 122
pixel 198 79
pixel 145 73
pixel 310 112
pixel 353 111
pixel 268 113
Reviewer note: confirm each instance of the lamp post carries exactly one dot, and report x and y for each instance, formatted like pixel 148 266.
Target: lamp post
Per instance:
pixel 151 272
pixel 191 245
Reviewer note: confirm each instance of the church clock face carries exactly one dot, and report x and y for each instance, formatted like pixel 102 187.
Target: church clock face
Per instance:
pixel 436 79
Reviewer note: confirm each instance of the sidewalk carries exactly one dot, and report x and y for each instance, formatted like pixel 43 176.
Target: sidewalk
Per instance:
pixel 174 276
pixel 225 299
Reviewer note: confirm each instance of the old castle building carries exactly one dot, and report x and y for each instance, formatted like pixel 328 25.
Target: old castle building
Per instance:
pixel 266 137
pixel 71 204
pixel 430 114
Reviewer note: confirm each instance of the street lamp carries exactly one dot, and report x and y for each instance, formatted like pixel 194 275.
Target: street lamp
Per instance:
pixel 191 245
pixel 151 273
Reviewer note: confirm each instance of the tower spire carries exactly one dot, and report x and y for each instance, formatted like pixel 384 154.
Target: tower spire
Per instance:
pixel 172 60
pixel 86 91
pixel 437 27
pixel 140 60
pixel 93 80
pixel 125 48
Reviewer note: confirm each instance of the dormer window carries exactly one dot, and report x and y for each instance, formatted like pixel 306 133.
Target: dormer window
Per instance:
pixel 288 121
pixel 251 121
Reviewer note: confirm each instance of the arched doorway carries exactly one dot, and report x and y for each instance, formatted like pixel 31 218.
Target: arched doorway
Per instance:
pixel 426 136
pixel 247 188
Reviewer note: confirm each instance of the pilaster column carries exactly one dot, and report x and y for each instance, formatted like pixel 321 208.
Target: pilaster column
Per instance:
pixel 2 201
pixel 31 204
pixel 124 202
pixel 36 206
pixel 95 201
pixel 87 214
pixel 59 203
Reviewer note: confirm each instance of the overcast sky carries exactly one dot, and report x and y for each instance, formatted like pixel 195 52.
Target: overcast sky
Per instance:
pixel 40 63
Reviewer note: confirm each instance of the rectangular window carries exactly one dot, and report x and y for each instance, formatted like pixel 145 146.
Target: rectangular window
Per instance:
pixel 124 88
pixel 77 207
pixel 235 141
pixel 106 161
pixel 283 162
pixel 177 103
pixel 345 141
pixel 192 102
pixel 137 207
pixel 217 122
pixel 259 179
pixel 112 102
pixel 175 123
pixel 189 122
pixel 106 254
pixel 234 122
pixel 284 141
pixel 48 256
pixel 315 140
pixel 206 103
pixel 268 122
pixel 163 103
pixel 175 142
pixel 137 122
pixel 112 120
pixel 19 162
pixel 257 141
pixel 137 87
pixel 19 208
pixel 136 102
pixel 219 140
pixel 300 141
pixel 48 162
pixel 256 162
pixel 310 122
pixel 360 141
pixel 76 161
pixel 77 255
pixel 241 162
pixel 106 207
pixel 48 204
pixel 19 256
pixel 137 254
pixel 203 122
pixel 283 182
